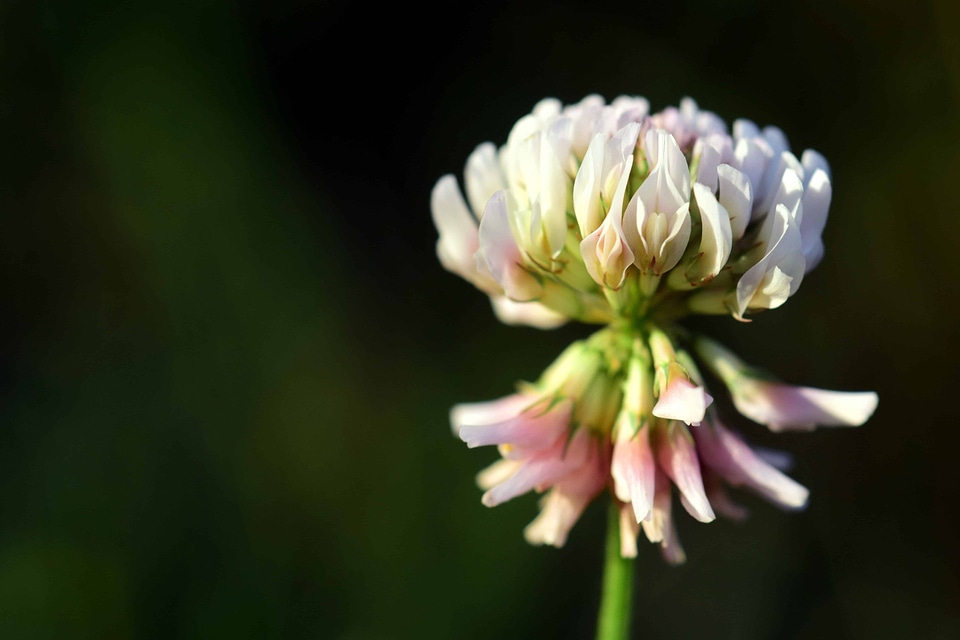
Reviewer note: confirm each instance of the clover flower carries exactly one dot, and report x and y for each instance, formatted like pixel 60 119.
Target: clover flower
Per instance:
pixel 608 214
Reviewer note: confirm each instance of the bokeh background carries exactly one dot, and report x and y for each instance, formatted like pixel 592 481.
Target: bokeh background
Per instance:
pixel 228 350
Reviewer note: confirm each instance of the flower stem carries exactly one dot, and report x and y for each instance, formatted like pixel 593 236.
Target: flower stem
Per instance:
pixel 617 597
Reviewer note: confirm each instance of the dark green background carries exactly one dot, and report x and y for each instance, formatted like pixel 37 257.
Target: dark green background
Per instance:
pixel 228 350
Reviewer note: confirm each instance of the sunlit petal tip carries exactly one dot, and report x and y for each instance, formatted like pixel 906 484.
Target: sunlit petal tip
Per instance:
pixel 682 400
pixel 783 407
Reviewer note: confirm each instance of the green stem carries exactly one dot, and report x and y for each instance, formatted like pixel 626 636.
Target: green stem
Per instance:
pixel 617 598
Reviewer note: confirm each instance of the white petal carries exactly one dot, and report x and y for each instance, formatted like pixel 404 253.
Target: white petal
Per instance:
pixel 778 275
pixel 532 314
pixel 482 176
pixel 586 188
pixel 605 252
pixel 816 206
pixel 716 239
pixel 458 230
pixel 736 196
pixel 811 161
pixel 782 406
pixel 500 253
pixel 709 161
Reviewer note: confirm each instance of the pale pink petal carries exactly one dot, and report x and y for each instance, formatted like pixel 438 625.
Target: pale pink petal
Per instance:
pixel 537 427
pixel 733 459
pixel 670 547
pixel 660 526
pixel 682 400
pixel 721 501
pixel 783 406
pixel 562 507
pixel 677 456
pixel 653 525
pixel 542 470
pixel 633 470
pixel 489 412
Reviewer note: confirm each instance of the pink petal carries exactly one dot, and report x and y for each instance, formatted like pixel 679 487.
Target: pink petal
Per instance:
pixel 542 470
pixel 682 400
pixel 489 412
pixel 677 456
pixel 562 507
pixel 633 470
pixel 782 406
pixel 733 459
pixel 536 427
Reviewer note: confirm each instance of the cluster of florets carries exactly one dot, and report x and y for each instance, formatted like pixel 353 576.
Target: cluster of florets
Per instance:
pixel 593 212
pixel 606 214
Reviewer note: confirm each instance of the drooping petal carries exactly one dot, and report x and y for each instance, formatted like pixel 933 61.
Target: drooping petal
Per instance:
pixel 678 458
pixel 633 469
pixel 730 457
pixel 536 427
pixel 782 406
pixel 490 411
pixel 561 508
pixel 497 472
pixel 542 470
pixel 629 530
pixel 660 527
pixel 720 499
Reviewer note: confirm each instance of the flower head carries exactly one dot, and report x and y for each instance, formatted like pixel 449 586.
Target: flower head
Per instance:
pixel 609 214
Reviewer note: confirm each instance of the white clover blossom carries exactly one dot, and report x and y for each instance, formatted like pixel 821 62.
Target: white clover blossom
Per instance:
pixel 608 214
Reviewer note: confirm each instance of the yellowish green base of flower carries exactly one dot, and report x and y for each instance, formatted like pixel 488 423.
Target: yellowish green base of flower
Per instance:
pixel 616 601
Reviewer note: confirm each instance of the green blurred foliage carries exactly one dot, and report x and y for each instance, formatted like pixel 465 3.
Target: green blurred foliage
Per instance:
pixel 229 351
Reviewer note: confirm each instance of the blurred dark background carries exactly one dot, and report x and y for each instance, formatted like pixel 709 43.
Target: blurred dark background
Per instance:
pixel 228 349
